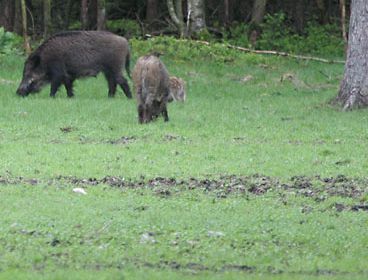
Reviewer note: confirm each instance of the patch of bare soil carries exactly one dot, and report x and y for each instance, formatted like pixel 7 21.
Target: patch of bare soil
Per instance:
pixel 317 188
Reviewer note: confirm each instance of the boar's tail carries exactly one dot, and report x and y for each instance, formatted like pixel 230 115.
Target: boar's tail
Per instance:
pixel 127 64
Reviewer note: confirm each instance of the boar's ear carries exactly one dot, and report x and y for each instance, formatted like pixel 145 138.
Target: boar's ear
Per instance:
pixel 35 60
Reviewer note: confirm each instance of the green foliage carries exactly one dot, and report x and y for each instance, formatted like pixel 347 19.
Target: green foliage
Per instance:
pixel 237 34
pixel 125 27
pixel 9 42
pixel 184 50
pixel 323 40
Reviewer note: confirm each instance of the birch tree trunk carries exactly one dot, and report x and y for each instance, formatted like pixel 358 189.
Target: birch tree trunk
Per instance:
pixel 196 16
pixel 46 18
pixel 353 91
pixel 27 47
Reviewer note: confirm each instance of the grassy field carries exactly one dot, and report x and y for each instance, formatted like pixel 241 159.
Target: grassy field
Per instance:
pixel 255 176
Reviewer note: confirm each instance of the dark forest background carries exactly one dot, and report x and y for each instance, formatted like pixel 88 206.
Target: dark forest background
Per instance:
pixel 304 26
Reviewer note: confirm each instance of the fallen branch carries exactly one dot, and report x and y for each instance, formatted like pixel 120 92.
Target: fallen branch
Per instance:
pixel 302 57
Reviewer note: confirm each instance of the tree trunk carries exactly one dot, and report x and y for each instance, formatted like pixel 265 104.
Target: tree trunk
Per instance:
pixel 176 14
pixel 84 14
pixel 354 86
pixel 196 16
pixel 101 14
pixel 323 19
pixel 7 14
pixel 343 22
pixel 18 18
pixel 258 11
pixel 299 15
pixel 92 14
pixel 46 18
pixel 151 11
pixel 27 47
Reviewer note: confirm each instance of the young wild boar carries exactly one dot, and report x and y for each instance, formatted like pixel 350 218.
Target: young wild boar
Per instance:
pixel 177 89
pixel 68 56
pixel 151 82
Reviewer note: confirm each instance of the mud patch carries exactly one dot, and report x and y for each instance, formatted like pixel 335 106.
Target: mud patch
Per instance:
pixel 123 140
pixel 316 187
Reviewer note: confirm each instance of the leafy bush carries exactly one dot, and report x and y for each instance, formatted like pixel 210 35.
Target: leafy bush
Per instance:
pixel 184 50
pixel 125 27
pixel 324 40
pixel 9 42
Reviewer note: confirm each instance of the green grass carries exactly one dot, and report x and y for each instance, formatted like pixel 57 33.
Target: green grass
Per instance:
pixel 278 124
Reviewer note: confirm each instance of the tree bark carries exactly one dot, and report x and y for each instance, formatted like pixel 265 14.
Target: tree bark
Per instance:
pixel 176 14
pixel 46 18
pixel 353 91
pixel 27 47
pixel 151 11
pixel 343 22
pixel 84 14
pixel 258 11
pixel 299 15
pixel 196 19
pixel 101 14
pixel 7 14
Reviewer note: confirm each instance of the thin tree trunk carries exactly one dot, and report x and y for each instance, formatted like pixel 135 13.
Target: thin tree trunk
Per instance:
pixel 343 23
pixel 27 47
pixel 101 14
pixel 176 14
pixel 18 18
pixel 92 14
pixel 84 14
pixel 151 11
pixel 226 12
pixel 46 18
pixel 299 15
pixel 354 86
pixel 7 14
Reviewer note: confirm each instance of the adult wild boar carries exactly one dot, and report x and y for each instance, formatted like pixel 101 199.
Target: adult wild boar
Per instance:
pixel 68 56
pixel 151 82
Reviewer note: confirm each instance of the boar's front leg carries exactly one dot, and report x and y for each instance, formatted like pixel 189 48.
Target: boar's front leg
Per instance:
pixel 55 84
pixel 165 114
pixel 56 74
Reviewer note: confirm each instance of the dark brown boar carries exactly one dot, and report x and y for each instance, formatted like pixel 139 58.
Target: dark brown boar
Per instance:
pixel 68 56
pixel 151 83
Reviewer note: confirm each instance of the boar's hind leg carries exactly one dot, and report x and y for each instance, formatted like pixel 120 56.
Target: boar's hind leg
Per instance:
pixel 68 83
pixel 123 83
pixel 140 113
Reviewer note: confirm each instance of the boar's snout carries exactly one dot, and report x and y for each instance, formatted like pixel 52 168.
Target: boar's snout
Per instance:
pixel 22 90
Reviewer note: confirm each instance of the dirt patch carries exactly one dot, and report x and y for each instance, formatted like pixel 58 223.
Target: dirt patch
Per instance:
pixel 123 140
pixel 314 187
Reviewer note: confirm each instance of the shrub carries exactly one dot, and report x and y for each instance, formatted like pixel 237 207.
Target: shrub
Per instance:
pixel 9 42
